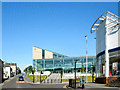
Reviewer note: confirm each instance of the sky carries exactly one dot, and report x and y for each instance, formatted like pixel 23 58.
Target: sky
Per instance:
pixel 56 26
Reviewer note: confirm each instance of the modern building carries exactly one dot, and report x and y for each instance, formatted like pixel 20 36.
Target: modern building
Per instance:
pixel 51 61
pixel 107 47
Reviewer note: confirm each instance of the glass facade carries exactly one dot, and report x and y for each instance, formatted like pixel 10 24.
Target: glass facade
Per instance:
pixel 114 64
pixel 66 64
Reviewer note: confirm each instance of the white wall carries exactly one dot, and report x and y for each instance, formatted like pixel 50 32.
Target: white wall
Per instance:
pixel 1 71
pixel 113 38
pixel 6 70
pixel 100 38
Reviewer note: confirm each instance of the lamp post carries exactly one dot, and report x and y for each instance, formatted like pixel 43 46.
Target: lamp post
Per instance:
pixel 33 75
pixel 86 57
pixel 40 75
pixel 75 72
pixel 61 76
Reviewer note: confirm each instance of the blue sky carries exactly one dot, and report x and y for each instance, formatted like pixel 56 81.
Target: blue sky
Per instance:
pixel 58 27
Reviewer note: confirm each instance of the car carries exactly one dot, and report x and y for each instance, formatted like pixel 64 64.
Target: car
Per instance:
pixel 21 78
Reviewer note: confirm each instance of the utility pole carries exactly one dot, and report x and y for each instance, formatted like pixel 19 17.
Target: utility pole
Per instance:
pixel 75 72
pixel 40 75
pixel 33 75
pixel 86 58
pixel 61 76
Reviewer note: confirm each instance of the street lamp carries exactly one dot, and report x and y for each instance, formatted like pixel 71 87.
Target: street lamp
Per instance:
pixel 75 72
pixel 86 57
pixel 33 75
pixel 40 76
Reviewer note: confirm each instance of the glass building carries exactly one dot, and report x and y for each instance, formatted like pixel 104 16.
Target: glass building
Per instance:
pixel 50 61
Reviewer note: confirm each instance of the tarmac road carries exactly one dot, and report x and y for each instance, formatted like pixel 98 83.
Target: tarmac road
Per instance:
pixel 14 83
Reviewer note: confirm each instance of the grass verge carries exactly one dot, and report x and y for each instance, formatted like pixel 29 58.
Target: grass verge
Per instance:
pixel 38 77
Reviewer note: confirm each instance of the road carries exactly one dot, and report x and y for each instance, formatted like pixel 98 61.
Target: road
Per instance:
pixel 13 83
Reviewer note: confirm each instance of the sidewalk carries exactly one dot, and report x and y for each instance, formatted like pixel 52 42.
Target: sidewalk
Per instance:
pixel 96 85
pixel 8 80
pixel 91 85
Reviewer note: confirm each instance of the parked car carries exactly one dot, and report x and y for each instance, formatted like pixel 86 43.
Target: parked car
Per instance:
pixel 21 78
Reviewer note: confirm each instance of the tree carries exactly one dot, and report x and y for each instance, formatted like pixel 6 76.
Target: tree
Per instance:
pixel 83 68
pixel 28 69
pixel 18 70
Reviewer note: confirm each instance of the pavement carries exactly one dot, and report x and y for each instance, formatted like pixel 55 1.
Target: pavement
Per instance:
pixel 91 85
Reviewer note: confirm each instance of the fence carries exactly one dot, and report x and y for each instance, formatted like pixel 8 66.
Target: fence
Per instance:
pixel 51 81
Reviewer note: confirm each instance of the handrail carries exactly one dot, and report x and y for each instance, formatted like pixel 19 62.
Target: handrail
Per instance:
pixel 116 79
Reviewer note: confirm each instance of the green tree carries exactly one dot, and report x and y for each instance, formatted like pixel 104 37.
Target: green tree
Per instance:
pixel 83 68
pixel 28 69
pixel 18 70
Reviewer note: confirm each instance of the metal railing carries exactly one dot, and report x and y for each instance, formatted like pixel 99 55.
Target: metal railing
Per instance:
pixel 51 81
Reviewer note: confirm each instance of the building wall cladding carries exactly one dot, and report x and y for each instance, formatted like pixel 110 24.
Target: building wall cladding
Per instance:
pixel 119 35
pixel 1 71
pixel 100 38
pixel 48 54
pixel 119 31
pixel 37 53
pixel 113 36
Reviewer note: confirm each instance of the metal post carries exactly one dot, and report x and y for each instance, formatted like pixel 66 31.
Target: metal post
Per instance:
pixel 61 76
pixel 86 57
pixel 33 76
pixel 40 77
pixel 75 73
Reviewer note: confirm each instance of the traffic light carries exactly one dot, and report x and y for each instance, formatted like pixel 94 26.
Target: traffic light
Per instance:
pixel 41 72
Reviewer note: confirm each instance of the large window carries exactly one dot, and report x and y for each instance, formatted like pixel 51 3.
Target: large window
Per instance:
pixel 58 62
pixel 49 63
pixel 114 63
pixel 101 65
